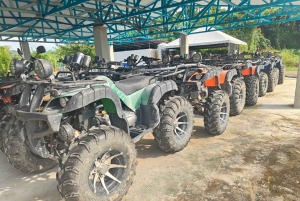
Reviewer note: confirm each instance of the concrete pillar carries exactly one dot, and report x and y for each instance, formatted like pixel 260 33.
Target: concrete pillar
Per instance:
pixel 111 53
pixel 101 42
pixel 297 92
pixel 25 49
pixel 184 44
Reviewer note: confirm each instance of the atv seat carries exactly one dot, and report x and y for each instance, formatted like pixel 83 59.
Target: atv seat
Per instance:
pixel 133 84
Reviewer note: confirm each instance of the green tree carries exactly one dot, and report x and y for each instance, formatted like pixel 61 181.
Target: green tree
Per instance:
pixel 5 59
pixel 70 49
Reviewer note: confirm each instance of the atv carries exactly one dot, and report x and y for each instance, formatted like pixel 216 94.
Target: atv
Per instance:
pixel 274 64
pixel 280 66
pixel 269 74
pixel 12 87
pixel 205 87
pixel 247 70
pixel 91 127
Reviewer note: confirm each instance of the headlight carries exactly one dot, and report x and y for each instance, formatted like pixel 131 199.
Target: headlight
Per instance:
pixel 196 57
pixel 63 101
pixel 43 68
pixel 166 59
pixel 86 61
pixel 17 67
pixel 180 76
pixel 77 60
pixel 130 62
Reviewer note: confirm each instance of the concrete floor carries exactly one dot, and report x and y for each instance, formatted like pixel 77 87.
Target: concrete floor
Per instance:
pixel 257 158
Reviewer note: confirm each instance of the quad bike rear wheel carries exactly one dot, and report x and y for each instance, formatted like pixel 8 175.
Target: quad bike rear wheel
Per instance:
pixel 281 74
pixel 271 80
pixel 21 157
pixel 216 112
pixel 252 90
pixel 238 97
pixel 176 125
pixel 263 84
pixel 98 166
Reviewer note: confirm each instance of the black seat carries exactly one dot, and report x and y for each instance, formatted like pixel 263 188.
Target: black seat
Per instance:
pixel 133 84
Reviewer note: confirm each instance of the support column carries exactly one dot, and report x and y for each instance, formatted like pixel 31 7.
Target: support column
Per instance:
pixel 297 92
pixel 101 42
pixel 25 49
pixel 111 52
pixel 184 44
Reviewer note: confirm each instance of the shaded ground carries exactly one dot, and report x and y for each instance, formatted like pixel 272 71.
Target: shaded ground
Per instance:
pixel 257 158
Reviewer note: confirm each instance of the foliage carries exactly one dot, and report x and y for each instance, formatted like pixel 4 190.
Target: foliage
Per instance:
pixel 222 50
pixel 5 58
pixel 253 36
pixel 50 56
pixel 70 49
pixel 290 57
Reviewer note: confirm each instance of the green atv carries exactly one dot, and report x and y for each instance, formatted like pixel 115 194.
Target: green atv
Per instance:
pixel 91 127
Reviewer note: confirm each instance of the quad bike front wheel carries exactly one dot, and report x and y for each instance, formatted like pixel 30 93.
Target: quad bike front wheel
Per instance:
pixel 238 97
pixel 4 111
pixel 21 157
pixel 98 166
pixel 216 112
pixel 5 127
pixel 252 90
pixel 176 125
pixel 271 80
pixel 281 74
pixel 263 84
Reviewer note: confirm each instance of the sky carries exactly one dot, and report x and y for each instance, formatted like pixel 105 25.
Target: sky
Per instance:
pixel 15 45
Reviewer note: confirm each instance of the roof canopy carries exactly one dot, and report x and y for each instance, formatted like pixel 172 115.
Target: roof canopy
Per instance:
pixel 207 39
pixel 73 20
pixel 151 44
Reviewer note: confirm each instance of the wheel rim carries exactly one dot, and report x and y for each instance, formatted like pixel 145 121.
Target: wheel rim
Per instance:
pixel 264 84
pixel 257 87
pixel 241 96
pixel 180 125
pixel 223 113
pixel 107 172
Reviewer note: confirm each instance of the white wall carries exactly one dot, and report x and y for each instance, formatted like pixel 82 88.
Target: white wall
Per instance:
pixel 120 56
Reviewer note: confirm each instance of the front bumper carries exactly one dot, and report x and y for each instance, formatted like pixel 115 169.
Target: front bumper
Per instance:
pixel 37 124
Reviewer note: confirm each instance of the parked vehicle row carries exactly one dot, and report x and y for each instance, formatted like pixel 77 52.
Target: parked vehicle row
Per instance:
pixel 87 119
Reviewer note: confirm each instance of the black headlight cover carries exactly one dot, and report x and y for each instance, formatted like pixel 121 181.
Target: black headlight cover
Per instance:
pixel 43 68
pixel 67 59
pixel 77 60
pixel 17 67
pixel 86 61
pixel 166 59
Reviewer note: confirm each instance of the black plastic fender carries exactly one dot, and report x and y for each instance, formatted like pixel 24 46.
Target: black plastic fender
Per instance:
pixel 160 89
pixel 11 91
pixel 211 73
pixel 95 93
pixel 258 69
pixel 152 119
pixel 229 77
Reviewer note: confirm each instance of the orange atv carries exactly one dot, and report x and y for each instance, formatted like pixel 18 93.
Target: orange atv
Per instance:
pixel 215 93
pixel 248 70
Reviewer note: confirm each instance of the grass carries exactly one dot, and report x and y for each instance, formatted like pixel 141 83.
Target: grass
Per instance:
pixel 291 68
pixel 290 59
